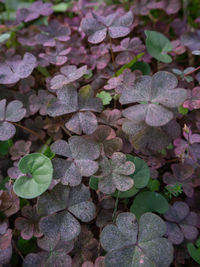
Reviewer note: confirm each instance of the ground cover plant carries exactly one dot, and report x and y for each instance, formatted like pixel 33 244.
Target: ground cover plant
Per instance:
pixel 99 133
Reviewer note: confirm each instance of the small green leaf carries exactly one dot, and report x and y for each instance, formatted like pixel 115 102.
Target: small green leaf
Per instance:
pixel 61 7
pixel 43 71
pixel 149 202
pixel 27 246
pixel 158 45
pixel 4 37
pixel 142 66
pixel 5 146
pixel 194 252
pixel 105 97
pixel 38 172
pixel 153 185
pixel 93 183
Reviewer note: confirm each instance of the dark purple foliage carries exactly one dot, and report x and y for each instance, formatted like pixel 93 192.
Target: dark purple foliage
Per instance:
pixel 181 223
pixel 36 10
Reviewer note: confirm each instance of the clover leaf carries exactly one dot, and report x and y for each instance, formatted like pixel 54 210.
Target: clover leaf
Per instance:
pixel 81 154
pixel 156 95
pixel 97 27
pixel 38 171
pixel 12 113
pixel 181 223
pixel 158 45
pixel 68 74
pixel 140 177
pixel 11 71
pixel 61 208
pixel 114 173
pixel 84 120
pixel 131 243
pixel 148 202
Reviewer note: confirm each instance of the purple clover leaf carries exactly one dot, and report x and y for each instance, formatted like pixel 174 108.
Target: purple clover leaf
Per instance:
pixel 35 10
pixel 97 27
pixel 181 223
pixel 11 71
pixel 68 74
pixel 114 173
pixel 40 102
pixel 129 242
pixel 53 32
pixel 81 154
pixel 156 95
pixel 14 112
pixel 28 224
pixel 59 208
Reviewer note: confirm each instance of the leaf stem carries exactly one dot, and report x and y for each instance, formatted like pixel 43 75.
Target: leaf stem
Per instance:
pixel 65 130
pixel 116 206
pixel 112 55
pixel 28 130
pixel 190 72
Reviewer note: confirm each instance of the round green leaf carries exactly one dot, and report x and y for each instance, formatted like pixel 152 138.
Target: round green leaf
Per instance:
pixel 142 66
pixel 38 172
pixel 149 202
pixel 158 45
pixel 194 252
pixel 142 174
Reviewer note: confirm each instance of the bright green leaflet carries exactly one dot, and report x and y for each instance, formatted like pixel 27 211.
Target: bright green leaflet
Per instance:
pixel 194 251
pixel 38 171
pixel 158 45
pixel 149 202
pixel 105 97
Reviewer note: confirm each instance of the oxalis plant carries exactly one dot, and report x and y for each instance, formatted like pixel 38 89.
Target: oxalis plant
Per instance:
pixel 99 133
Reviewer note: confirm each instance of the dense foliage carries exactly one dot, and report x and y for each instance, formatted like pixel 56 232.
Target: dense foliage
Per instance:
pixel 99 133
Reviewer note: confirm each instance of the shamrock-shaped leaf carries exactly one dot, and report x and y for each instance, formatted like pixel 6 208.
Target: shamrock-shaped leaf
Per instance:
pixel 114 173
pixel 154 138
pixel 11 71
pixel 81 154
pixel 84 120
pixel 28 224
pixel 65 103
pixel 156 95
pixel 193 99
pixel 140 177
pixel 85 247
pixel 158 45
pixel 181 223
pixel 9 202
pixel 106 137
pixel 19 149
pixel 97 27
pixel 132 243
pixel 54 253
pixel 68 74
pixel 40 102
pixel 38 171
pixel 12 113
pixel 148 202
pixel 59 208
pixel 129 48
pixel 53 32
pixel 34 11
pixel 57 57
